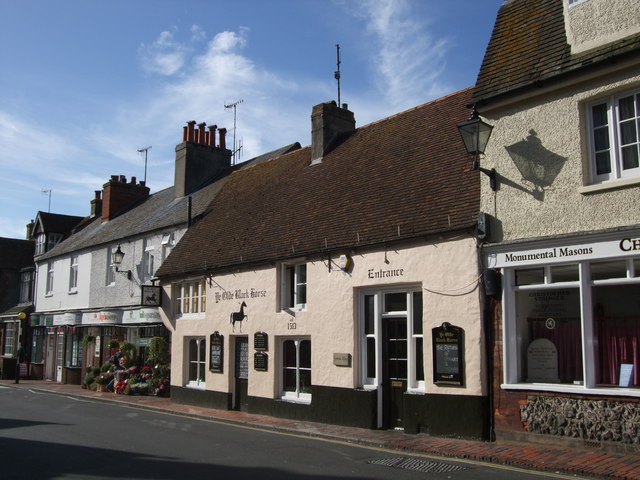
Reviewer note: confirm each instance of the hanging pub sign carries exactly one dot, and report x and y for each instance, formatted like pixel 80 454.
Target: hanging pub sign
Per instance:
pixel 261 341
pixel 260 361
pixel 448 354
pixel 216 357
pixel 150 295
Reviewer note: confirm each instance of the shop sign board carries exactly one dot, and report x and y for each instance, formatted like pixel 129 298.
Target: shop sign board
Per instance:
pixel 67 319
pixel 216 355
pixel 142 315
pixel 448 354
pixel 621 247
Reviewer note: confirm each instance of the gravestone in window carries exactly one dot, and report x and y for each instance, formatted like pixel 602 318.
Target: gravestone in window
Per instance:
pixel 542 361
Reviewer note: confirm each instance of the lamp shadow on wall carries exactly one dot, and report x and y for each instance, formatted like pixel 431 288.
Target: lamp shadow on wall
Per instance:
pixel 538 166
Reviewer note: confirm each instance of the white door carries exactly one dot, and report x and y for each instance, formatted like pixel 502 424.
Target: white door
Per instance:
pixel 59 356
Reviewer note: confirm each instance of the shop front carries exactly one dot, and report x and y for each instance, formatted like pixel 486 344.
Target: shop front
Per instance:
pixel 570 325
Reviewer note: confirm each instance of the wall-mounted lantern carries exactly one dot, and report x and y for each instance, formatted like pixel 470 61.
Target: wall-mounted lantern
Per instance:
pixel 475 134
pixel 116 259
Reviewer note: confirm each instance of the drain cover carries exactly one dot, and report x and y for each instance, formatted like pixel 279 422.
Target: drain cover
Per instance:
pixel 417 464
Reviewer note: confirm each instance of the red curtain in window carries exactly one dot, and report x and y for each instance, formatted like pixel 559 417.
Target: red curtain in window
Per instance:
pixel 617 344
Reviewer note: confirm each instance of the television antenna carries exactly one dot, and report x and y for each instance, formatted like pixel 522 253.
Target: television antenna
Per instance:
pixel 145 150
pixel 48 190
pixel 336 75
pixel 236 147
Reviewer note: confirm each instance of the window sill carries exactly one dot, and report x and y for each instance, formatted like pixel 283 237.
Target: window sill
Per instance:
pixel 194 386
pixel 303 401
pixel 574 389
pixel 47 295
pixel 609 185
pixel 72 292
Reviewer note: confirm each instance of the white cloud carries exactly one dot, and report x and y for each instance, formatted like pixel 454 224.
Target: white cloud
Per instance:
pixel 409 60
pixel 164 56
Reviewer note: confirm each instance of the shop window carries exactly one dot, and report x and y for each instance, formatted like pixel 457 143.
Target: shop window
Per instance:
pixel 403 311
pixel 10 335
pixel 296 369
pixel 37 345
pixel 294 286
pixel 196 362
pixel 73 356
pixel 190 298
pixel 583 333
pixel 614 142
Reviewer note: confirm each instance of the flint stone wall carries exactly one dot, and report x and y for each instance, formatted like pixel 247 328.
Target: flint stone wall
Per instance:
pixel 602 420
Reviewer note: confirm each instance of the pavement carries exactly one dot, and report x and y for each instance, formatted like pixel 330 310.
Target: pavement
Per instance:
pixel 584 461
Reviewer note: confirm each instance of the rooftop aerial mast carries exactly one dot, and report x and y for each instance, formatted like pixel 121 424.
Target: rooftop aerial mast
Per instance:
pixel 236 148
pixel 337 73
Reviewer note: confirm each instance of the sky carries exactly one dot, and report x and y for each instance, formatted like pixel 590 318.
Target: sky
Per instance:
pixel 85 85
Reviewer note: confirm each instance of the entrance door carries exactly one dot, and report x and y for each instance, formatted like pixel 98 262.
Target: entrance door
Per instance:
pixel 59 356
pixel 241 369
pixel 50 362
pixel 394 370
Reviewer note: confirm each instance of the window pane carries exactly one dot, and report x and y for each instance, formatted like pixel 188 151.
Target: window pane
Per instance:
pixel 417 313
pixel 626 107
pixel 601 139
pixel 395 302
pixel 369 314
pixel 617 325
pixel 305 381
pixel 630 157
pixel 603 163
pixel 289 379
pixel 565 273
pixel 371 357
pixel 636 267
pixel 530 276
pixel 289 355
pixel 419 359
pixel 302 294
pixel 604 270
pixel 302 274
pixel 549 335
pixel 628 132
pixel 305 354
pixel 599 113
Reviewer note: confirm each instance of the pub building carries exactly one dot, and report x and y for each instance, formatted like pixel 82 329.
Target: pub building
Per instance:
pixel 340 283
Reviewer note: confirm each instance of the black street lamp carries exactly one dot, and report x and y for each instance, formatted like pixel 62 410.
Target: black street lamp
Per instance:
pixel 116 259
pixel 475 134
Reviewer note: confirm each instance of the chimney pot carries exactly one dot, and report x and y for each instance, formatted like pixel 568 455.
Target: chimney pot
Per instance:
pixel 123 179
pixel 201 133
pixel 133 180
pixel 223 138
pixel 184 134
pixel 211 137
pixel 190 130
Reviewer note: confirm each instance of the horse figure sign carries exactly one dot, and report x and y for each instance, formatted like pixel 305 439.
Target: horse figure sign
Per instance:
pixel 238 317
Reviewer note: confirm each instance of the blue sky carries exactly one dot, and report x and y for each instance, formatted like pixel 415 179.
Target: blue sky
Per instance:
pixel 85 84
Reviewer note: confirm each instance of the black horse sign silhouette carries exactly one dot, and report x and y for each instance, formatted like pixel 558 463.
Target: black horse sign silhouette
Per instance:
pixel 238 317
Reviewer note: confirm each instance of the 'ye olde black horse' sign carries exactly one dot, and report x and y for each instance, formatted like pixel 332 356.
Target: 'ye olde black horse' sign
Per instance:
pixel 238 317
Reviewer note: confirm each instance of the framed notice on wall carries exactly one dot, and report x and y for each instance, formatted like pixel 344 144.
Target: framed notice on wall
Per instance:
pixel 216 355
pixel 448 355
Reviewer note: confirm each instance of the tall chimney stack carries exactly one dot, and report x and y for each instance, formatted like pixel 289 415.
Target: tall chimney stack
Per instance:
pixel 328 124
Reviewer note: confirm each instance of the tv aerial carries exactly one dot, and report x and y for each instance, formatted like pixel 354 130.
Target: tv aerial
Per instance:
pixel 145 150
pixel 237 147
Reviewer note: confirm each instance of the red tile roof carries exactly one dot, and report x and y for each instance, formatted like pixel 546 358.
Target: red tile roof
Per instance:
pixel 402 177
pixel 528 46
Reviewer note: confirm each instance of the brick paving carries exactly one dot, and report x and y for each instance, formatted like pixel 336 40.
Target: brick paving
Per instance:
pixel 588 462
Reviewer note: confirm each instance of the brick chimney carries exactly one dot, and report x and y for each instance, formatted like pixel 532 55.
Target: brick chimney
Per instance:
pixel 328 124
pixel 198 160
pixel 118 195
pixel 96 204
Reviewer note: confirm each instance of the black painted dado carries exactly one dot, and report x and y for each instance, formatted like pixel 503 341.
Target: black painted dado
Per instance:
pixel 201 398
pixel 337 406
pixel 461 416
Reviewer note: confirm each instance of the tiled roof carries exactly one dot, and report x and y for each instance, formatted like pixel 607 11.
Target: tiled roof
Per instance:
pixel 154 213
pixel 528 46
pixel 402 177
pixel 15 253
pixel 58 223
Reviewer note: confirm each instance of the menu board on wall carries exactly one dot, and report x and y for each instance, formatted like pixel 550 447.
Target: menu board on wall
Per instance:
pixel 448 355
pixel 216 356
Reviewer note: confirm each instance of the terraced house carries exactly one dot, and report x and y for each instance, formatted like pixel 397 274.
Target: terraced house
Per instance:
pixel 560 83
pixel 340 282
